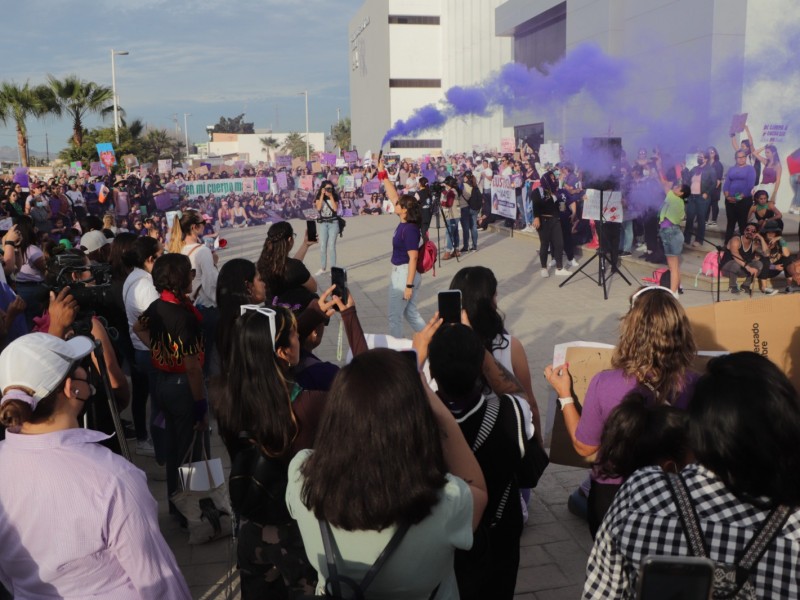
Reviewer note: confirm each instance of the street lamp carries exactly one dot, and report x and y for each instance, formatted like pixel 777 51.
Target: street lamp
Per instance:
pixel 186 132
pixel 308 150
pixel 114 90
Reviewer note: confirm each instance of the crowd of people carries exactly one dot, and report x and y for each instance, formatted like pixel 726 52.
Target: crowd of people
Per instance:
pixel 429 496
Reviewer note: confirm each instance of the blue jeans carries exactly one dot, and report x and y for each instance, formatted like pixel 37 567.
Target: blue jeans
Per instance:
pixel 474 230
pixel 696 210
pixel 627 236
pixel 466 227
pixel 327 232
pixel 794 180
pixel 452 234
pixel 398 306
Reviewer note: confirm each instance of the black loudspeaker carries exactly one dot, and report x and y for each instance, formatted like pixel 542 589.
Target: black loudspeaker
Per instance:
pixel 600 163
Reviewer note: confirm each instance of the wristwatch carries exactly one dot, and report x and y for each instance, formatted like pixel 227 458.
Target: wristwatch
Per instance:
pixel 409 286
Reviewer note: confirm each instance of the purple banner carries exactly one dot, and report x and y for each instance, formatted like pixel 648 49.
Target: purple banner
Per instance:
pixel 282 181
pixel 283 161
pixel 373 186
pixel 21 177
pixel 328 158
pixel 97 169
pixel 351 156
pixel 262 184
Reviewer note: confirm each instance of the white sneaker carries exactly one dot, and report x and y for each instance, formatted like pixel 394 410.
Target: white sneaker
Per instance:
pixel 573 263
pixel 529 229
pixel 545 273
pixel 320 272
pixel 145 448
pixel 552 263
pixel 641 247
pixel 563 272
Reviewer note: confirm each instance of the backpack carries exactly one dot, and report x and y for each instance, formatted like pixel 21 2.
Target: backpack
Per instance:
pixel 710 266
pixel 731 581
pixel 427 257
pixel 475 201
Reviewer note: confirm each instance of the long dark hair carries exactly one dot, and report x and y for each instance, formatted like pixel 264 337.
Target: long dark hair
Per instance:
pixel 272 261
pixel 322 187
pixel 414 211
pixel 744 424
pixel 478 287
pixel 255 397
pixel 119 246
pixel 375 463
pixel 232 293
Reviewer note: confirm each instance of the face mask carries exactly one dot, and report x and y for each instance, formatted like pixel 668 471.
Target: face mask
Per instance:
pixel 40 204
pixel 557 173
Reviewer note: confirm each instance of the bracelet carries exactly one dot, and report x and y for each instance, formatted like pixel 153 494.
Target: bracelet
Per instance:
pixel 9 244
pixel 409 286
pixel 564 401
pixel 200 409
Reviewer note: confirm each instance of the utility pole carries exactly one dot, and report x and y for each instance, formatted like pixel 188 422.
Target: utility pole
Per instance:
pixel 338 116
pixel 186 131
pixel 47 147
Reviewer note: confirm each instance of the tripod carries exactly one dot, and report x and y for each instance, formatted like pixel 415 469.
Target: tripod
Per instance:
pixel 602 260
pixel 448 236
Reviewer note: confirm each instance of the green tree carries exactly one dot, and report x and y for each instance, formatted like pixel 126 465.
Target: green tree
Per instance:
pixel 341 134
pixel 233 125
pixel 268 144
pixel 87 151
pixel 18 103
pixel 295 144
pixel 157 143
pixel 77 98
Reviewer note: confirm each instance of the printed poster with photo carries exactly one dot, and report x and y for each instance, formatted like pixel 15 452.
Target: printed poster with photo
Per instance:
pixel 504 202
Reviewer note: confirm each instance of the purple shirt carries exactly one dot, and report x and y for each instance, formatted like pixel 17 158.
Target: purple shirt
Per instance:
pixel 78 521
pixel 605 393
pixel 406 238
pixel 739 180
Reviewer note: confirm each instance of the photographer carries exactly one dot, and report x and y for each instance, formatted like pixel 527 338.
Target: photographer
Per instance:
pixel 425 197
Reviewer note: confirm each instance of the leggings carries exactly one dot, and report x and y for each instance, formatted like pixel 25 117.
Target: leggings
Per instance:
pixel 550 233
pixel 736 213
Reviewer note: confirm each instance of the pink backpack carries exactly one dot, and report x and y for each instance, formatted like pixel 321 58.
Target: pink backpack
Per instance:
pixel 427 257
pixel 710 264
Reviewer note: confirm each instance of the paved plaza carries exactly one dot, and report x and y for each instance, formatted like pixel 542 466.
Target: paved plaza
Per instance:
pixel 555 544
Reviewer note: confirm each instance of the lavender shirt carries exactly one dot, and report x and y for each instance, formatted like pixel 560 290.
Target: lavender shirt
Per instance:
pixel 77 521
pixel 605 393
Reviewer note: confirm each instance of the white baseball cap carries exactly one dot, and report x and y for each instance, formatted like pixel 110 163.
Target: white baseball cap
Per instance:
pixel 40 362
pixel 94 240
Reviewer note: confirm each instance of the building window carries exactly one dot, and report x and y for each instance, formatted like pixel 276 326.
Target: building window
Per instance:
pixel 415 83
pixel 416 144
pixel 412 20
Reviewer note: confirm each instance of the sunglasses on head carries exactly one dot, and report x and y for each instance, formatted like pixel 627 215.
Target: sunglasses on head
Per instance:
pixel 267 312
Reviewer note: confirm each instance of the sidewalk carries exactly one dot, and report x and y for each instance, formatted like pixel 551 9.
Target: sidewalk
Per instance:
pixel 555 544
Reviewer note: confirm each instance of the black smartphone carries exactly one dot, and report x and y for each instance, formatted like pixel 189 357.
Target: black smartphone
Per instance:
pixel 339 279
pixel 311 227
pixel 450 306
pixel 411 355
pixel 668 577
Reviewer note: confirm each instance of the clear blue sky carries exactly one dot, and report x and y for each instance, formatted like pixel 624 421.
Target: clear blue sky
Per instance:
pixel 208 58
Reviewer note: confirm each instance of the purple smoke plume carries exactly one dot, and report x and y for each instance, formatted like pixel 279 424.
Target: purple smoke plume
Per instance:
pixel 515 87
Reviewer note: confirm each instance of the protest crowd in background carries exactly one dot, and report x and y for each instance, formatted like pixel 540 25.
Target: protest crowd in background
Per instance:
pixel 136 250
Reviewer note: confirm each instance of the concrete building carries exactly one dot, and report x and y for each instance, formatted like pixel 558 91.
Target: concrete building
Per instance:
pixel 248 146
pixel 690 65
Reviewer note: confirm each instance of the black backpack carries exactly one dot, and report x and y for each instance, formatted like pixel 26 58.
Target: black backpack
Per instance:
pixel 475 201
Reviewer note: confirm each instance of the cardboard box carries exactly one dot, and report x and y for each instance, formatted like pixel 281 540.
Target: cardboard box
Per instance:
pixel 769 326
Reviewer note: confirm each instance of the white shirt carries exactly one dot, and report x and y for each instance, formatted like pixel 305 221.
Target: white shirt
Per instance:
pixel 204 286
pixel 138 293
pixel 76 197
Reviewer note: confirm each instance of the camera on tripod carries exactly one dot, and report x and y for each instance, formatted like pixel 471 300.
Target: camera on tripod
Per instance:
pixel 92 293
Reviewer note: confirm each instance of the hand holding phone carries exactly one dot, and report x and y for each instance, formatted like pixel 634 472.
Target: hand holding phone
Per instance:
pixel 311 230
pixel 339 281
pixel 450 306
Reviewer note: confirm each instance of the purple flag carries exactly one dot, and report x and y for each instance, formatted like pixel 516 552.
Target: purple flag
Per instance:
pixel 97 169
pixel 21 177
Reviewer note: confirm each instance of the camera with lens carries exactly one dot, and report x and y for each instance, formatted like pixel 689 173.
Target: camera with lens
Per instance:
pixel 92 292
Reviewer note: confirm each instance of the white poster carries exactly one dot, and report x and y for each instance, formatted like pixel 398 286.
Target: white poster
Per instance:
pixel 550 153
pixel 612 206
pixel 504 202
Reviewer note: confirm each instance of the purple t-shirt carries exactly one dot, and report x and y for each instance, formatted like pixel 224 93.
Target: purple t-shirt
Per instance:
pixel 406 237
pixel 605 393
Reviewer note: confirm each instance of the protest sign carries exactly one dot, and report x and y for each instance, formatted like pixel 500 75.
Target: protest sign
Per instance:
pixel 219 187
pixel 612 206
pixel 131 162
pixel 106 153
pixel 328 158
pixel 144 172
pixel 298 163
pixel 774 133
pixel 738 123
pixel 372 186
pixel 201 171
pixel 76 165
pixel 97 169
pixel 239 165
pixel 351 156
pixel 507 145
pixel 283 161
pixel 391 160
pixel 550 153
pixel 283 182
pixel 349 184
pixel 307 182
pixel 504 202
pixel 165 165
pixel 316 167
pixel 262 184
pixel 21 177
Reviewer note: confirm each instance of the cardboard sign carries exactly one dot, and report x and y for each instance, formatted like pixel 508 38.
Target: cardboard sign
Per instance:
pixel 298 163
pixel 201 171
pixel 507 146
pixel 349 183
pixel 283 161
pixel 77 165
pixel 165 166
pixel 351 157
pixel 372 186
pixel 307 182
pixel 738 123
pixel 283 182
pixel 262 184
pixel 328 158
pixel 106 153
pixel 769 326
pixel 316 167
pixel 97 169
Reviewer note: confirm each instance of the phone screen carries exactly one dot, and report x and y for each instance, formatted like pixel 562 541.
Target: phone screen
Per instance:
pixel 311 227
pixel 411 355
pixel 339 279
pixel 450 306
pixel 669 577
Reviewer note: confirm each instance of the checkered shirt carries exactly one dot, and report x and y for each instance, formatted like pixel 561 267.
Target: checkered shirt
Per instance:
pixel 643 520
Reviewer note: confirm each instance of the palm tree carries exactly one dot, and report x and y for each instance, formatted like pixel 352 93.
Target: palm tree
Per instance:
pixel 20 102
pixel 268 143
pixel 295 144
pixel 341 134
pixel 159 144
pixel 77 98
